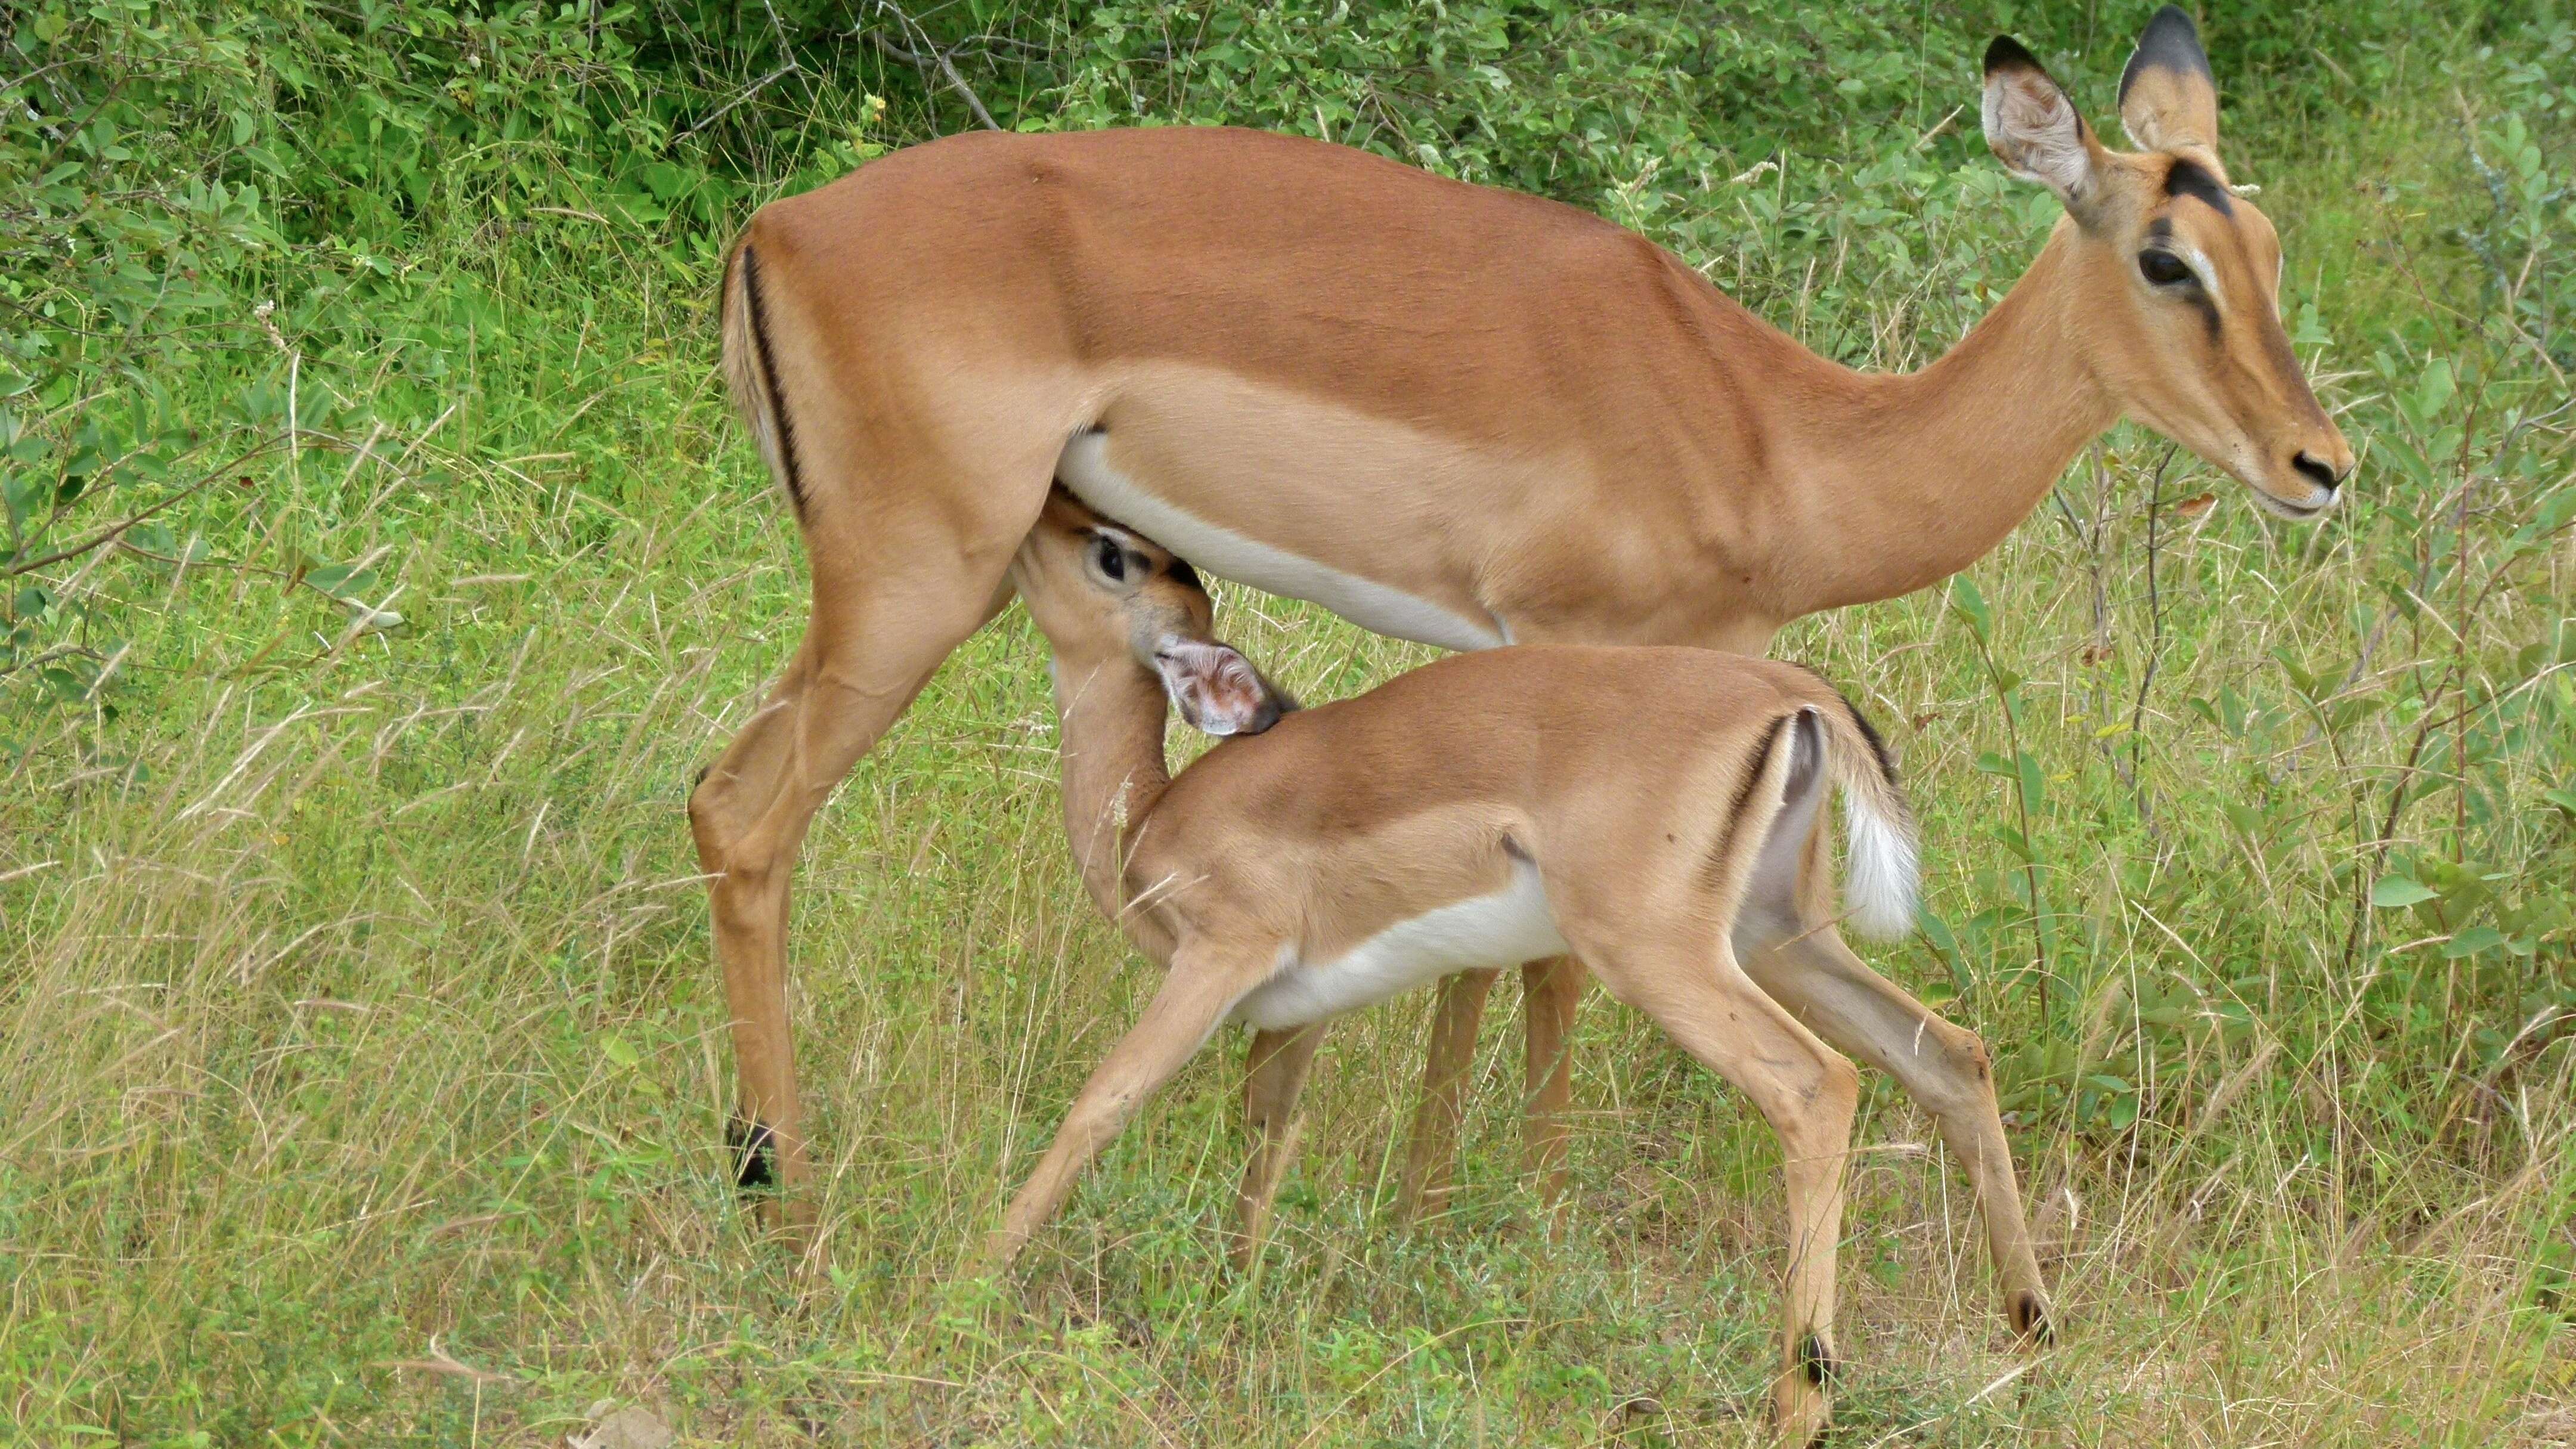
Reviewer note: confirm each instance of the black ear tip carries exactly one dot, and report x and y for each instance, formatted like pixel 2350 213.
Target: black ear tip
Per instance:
pixel 2170 16
pixel 2170 42
pixel 2005 53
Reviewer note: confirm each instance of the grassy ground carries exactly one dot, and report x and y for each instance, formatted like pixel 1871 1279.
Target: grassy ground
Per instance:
pixel 365 1065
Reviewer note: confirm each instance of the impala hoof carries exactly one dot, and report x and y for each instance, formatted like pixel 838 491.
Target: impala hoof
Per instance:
pixel 1817 1361
pixel 755 1154
pixel 2030 1318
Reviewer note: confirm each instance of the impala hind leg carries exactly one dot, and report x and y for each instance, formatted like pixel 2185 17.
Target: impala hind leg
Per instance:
pixel 1200 989
pixel 1943 1067
pixel 1431 1157
pixel 1807 1092
pixel 890 602
pixel 1551 990
pixel 1275 1074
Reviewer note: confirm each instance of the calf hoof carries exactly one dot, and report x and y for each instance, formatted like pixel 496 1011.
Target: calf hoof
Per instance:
pixel 755 1154
pixel 1802 1398
pixel 1818 1362
pixel 2030 1318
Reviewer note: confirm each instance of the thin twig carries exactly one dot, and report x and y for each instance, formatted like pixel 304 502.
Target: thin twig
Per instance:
pixel 929 54
pixel 111 534
pixel 2155 627
pixel 755 88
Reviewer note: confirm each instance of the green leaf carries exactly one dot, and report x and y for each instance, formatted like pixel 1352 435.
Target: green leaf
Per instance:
pixel 2396 890
pixel 2435 392
pixel 2299 672
pixel 2473 941
pixel 2034 785
pixel 1970 604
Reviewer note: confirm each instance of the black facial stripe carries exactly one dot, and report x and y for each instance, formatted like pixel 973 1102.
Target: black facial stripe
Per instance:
pixel 1183 572
pixel 2190 178
pixel 2161 230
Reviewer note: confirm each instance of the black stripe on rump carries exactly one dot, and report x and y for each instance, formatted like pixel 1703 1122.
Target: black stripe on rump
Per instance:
pixel 759 316
pixel 1716 861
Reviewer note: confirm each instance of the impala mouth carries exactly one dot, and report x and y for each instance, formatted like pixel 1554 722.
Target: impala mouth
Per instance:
pixel 2280 507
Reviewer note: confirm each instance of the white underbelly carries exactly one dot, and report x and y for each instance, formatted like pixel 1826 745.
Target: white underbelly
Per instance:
pixel 1481 933
pixel 1085 468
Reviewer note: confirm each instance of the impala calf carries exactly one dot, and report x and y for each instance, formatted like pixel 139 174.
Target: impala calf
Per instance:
pixel 1655 810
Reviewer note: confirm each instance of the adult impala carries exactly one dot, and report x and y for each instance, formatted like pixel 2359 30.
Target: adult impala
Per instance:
pixel 1659 810
pixel 1452 414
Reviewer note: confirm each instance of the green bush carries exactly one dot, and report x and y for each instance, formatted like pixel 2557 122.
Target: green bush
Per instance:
pixel 380 562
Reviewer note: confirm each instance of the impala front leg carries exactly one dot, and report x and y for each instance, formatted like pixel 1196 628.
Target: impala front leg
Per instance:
pixel 1202 987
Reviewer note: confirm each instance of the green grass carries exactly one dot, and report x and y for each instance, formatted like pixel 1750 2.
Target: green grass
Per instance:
pixel 366 1066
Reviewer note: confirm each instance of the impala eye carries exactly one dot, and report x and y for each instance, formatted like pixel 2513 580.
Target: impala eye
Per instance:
pixel 2163 268
pixel 1110 558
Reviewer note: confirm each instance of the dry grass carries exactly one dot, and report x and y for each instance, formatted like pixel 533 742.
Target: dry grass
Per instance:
pixel 370 1067
pixel 366 1067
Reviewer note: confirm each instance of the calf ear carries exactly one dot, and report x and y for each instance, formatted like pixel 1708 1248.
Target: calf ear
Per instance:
pixel 1218 690
pixel 2034 129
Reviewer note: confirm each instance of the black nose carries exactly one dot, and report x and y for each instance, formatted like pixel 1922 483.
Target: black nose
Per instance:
pixel 2316 471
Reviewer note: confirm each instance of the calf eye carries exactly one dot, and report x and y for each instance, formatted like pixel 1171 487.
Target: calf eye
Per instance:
pixel 1112 559
pixel 2162 268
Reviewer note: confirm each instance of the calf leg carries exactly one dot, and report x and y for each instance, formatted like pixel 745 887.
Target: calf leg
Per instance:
pixel 1551 990
pixel 1807 1093
pixel 1431 1159
pixel 1276 1068
pixel 1201 988
pixel 1942 1066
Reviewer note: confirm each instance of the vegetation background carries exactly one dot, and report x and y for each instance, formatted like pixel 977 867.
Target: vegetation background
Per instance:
pixel 381 562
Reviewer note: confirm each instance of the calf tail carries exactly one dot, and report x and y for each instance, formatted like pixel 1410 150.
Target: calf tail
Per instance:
pixel 1882 863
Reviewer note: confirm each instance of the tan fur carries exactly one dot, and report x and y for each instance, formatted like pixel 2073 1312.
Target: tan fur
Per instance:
pixel 1510 410
pixel 1644 785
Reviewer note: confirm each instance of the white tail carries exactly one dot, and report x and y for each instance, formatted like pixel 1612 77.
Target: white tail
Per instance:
pixel 1882 864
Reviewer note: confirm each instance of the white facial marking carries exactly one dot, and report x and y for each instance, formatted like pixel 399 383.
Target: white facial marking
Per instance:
pixel 1481 933
pixel 2200 267
pixel 1085 469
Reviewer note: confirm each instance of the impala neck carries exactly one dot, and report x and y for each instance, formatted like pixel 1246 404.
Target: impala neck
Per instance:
pixel 1905 479
pixel 1110 714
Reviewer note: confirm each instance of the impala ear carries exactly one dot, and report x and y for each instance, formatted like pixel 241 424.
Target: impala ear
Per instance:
pixel 2035 130
pixel 2168 101
pixel 1218 690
